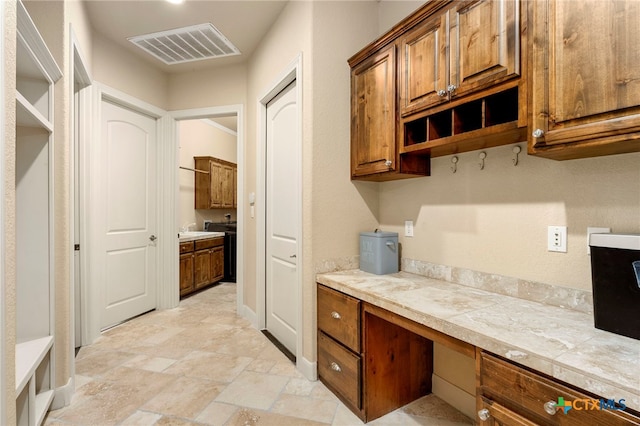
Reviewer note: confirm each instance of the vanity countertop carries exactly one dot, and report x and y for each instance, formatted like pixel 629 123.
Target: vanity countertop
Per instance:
pixel 184 237
pixel 560 342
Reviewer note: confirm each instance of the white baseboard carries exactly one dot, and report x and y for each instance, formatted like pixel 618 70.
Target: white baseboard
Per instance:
pixel 63 394
pixel 308 369
pixel 250 315
pixel 454 396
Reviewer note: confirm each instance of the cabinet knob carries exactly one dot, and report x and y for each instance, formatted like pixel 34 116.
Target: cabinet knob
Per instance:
pixel 451 88
pixel 153 238
pixel 335 367
pixel 442 93
pixel 484 414
pixel 335 315
pixel 551 407
pixel 388 163
pixel 537 133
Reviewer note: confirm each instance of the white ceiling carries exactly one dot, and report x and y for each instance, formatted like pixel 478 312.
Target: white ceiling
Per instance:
pixel 243 22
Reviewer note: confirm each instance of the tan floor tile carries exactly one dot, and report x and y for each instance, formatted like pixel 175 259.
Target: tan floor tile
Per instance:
pixel 141 418
pixel 99 363
pixel 254 390
pixel 212 366
pixel 247 417
pixel 145 362
pixel 298 386
pixel 174 421
pixel 285 368
pixel 261 365
pixel 185 397
pixel 217 414
pixel 433 407
pixel 305 407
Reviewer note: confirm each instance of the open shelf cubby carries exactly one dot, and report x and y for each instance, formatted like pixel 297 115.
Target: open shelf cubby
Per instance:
pixel 492 110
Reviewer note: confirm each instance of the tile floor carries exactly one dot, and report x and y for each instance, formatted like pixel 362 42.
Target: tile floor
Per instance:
pixel 201 364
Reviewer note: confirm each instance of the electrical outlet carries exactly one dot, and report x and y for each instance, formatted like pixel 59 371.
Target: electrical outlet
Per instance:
pixel 408 228
pixel 557 239
pixel 595 230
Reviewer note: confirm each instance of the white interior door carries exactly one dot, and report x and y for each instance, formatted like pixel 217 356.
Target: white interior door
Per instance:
pixel 282 217
pixel 128 220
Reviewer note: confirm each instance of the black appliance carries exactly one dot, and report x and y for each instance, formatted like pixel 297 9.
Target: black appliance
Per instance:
pixel 230 246
pixel 615 271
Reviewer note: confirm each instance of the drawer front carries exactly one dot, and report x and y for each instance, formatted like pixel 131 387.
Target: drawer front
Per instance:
pixel 339 317
pixel 186 247
pixel 209 243
pixel 527 393
pixel 340 369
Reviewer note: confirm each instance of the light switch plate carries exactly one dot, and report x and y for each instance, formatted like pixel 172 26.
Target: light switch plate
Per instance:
pixel 408 228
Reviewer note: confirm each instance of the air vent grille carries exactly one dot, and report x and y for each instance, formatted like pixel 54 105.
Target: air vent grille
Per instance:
pixel 187 44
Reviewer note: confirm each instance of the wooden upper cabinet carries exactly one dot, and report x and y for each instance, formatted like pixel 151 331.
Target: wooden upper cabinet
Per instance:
pixel 585 78
pixel 373 108
pixel 469 47
pixel 424 65
pixel 217 189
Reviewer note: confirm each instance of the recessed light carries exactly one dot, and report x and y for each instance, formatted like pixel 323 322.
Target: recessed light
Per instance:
pixel 176 1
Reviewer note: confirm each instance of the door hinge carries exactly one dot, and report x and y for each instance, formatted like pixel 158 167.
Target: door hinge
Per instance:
pixel 76 247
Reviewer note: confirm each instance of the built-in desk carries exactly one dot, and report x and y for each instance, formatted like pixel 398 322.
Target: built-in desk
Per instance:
pixel 560 344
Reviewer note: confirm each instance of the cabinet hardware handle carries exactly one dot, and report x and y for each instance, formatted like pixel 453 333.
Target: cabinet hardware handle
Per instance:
pixel 537 133
pixel 293 256
pixel 550 407
pixel 335 315
pixel 388 163
pixel 442 93
pixel 451 88
pixel 335 367
pixel 153 238
pixel 484 414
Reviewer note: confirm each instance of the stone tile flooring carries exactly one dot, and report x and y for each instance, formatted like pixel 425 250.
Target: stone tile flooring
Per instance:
pixel 201 364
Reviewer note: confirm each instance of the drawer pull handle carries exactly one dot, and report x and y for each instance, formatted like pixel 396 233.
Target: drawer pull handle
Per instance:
pixel 484 414
pixel 335 315
pixel 550 407
pixel 335 367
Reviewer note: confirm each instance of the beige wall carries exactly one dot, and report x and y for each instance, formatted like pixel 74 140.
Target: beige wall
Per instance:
pixel 119 69
pixel 495 220
pixel 217 87
pixel 288 37
pixel 198 138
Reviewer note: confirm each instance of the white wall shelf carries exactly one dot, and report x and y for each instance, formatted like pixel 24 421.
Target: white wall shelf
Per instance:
pixel 36 74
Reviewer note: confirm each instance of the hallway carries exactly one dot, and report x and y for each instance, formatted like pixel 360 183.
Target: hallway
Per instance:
pixel 202 364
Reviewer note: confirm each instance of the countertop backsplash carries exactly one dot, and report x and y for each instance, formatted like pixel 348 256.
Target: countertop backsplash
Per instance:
pixel 564 297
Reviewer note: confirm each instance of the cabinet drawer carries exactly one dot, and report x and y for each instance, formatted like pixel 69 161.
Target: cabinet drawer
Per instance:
pixel 339 317
pixel 209 243
pixel 186 247
pixel 339 369
pixel 526 393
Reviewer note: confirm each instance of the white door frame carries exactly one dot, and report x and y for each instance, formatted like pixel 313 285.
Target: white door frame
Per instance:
pixel 171 189
pixel 3 348
pixel 91 295
pixel 82 106
pixel 293 72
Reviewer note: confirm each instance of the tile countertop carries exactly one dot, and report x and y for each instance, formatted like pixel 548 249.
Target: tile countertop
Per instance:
pixel 184 237
pixel 560 342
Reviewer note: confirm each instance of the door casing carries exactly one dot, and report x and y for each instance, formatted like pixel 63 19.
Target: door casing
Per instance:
pixel 290 73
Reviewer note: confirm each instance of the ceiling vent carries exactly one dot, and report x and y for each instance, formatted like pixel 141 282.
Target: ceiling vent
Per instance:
pixel 187 44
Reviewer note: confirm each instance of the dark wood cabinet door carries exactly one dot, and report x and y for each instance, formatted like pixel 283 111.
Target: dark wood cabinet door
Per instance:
pixel 585 78
pixel 217 264
pixel 373 114
pixel 202 268
pixel 186 273
pixel 484 44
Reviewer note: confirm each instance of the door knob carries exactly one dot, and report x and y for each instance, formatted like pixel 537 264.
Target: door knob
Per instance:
pixel 153 238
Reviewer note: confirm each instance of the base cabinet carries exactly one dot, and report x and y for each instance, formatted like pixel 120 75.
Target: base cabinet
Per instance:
pixel 201 264
pixel 510 394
